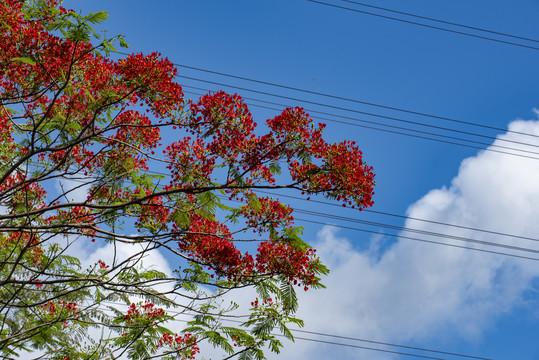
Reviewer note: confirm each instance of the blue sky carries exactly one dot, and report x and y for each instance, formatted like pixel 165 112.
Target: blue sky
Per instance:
pixel 474 303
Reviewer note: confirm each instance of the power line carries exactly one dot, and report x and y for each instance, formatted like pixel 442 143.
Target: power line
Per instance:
pixel 426 25
pixel 423 232
pixel 412 230
pixel 380 116
pixel 412 112
pixel 389 344
pixel 406 229
pixel 384 117
pixel 391 226
pixel 443 21
pixel 490 146
pixel 365 348
pixel 426 233
pixel 348 338
pixel 371 348
pixel 421 240
pixel 387 107
pixel 408 217
pixel 337 343
pixel 429 138
pixel 373 342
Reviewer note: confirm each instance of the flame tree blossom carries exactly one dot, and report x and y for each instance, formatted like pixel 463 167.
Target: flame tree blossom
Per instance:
pixel 74 121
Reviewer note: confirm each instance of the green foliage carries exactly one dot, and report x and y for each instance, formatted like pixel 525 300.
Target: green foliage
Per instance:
pixel 25 60
pixel 76 148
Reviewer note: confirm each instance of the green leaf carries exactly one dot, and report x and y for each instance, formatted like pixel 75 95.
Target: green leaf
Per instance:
pixel 216 339
pixel 108 47
pixel 98 295
pixel 25 60
pixel 275 168
pixel 288 297
pixel 97 18
pixel 286 332
pixel 5 25
pixel 123 43
pixel 181 219
pixel 266 288
pixel 90 95
pixel 254 203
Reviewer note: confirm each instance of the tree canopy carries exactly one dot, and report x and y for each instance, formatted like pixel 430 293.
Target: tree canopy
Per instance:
pixel 158 173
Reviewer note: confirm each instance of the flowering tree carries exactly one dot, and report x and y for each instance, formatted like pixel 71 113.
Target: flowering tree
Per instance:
pixel 74 121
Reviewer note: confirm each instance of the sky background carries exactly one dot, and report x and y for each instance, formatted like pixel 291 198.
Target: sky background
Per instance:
pixel 383 289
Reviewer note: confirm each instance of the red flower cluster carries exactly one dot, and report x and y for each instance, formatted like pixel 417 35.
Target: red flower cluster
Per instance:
pixel 256 304
pixel 186 345
pixel 18 193
pixel 209 242
pixel 34 62
pixel 74 216
pixel 143 310
pixel 191 163
pixel 151 78
pixel 279 259
pixel 270 214
pixel 26 243
pixel 20 39
pixel 102 118
pixel 226 120
pixel 338 170
pixel 343 175
pixel 6 128
pixel 54 308
pixel 152 212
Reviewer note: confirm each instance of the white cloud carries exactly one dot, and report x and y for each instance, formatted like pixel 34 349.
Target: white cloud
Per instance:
pixel 417 291
pixel 151 259
pixel 73 189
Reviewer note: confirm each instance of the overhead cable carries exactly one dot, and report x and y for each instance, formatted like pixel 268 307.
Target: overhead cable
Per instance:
pixel 384 117
pixel 443 136
pixel 408 217
pixel 426 25
pixel 420 240
pixel 442 21
pixel 412 230
pixel 227 319
pixel 357 101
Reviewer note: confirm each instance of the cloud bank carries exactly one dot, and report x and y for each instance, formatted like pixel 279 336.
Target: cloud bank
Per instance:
pixel 415 292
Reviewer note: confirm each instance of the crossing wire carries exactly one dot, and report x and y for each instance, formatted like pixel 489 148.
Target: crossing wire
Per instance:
pixel 412 230
pixel 357 101
pixel 442 21
pixel 420 240
pixel 373 342
pixel 396 227
pixel 490 146
pixel 434 234
pixel 425 25
pixel 405 229
pixel 380 116
pixel 407 217
pixel 227 319
pixel 383 117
